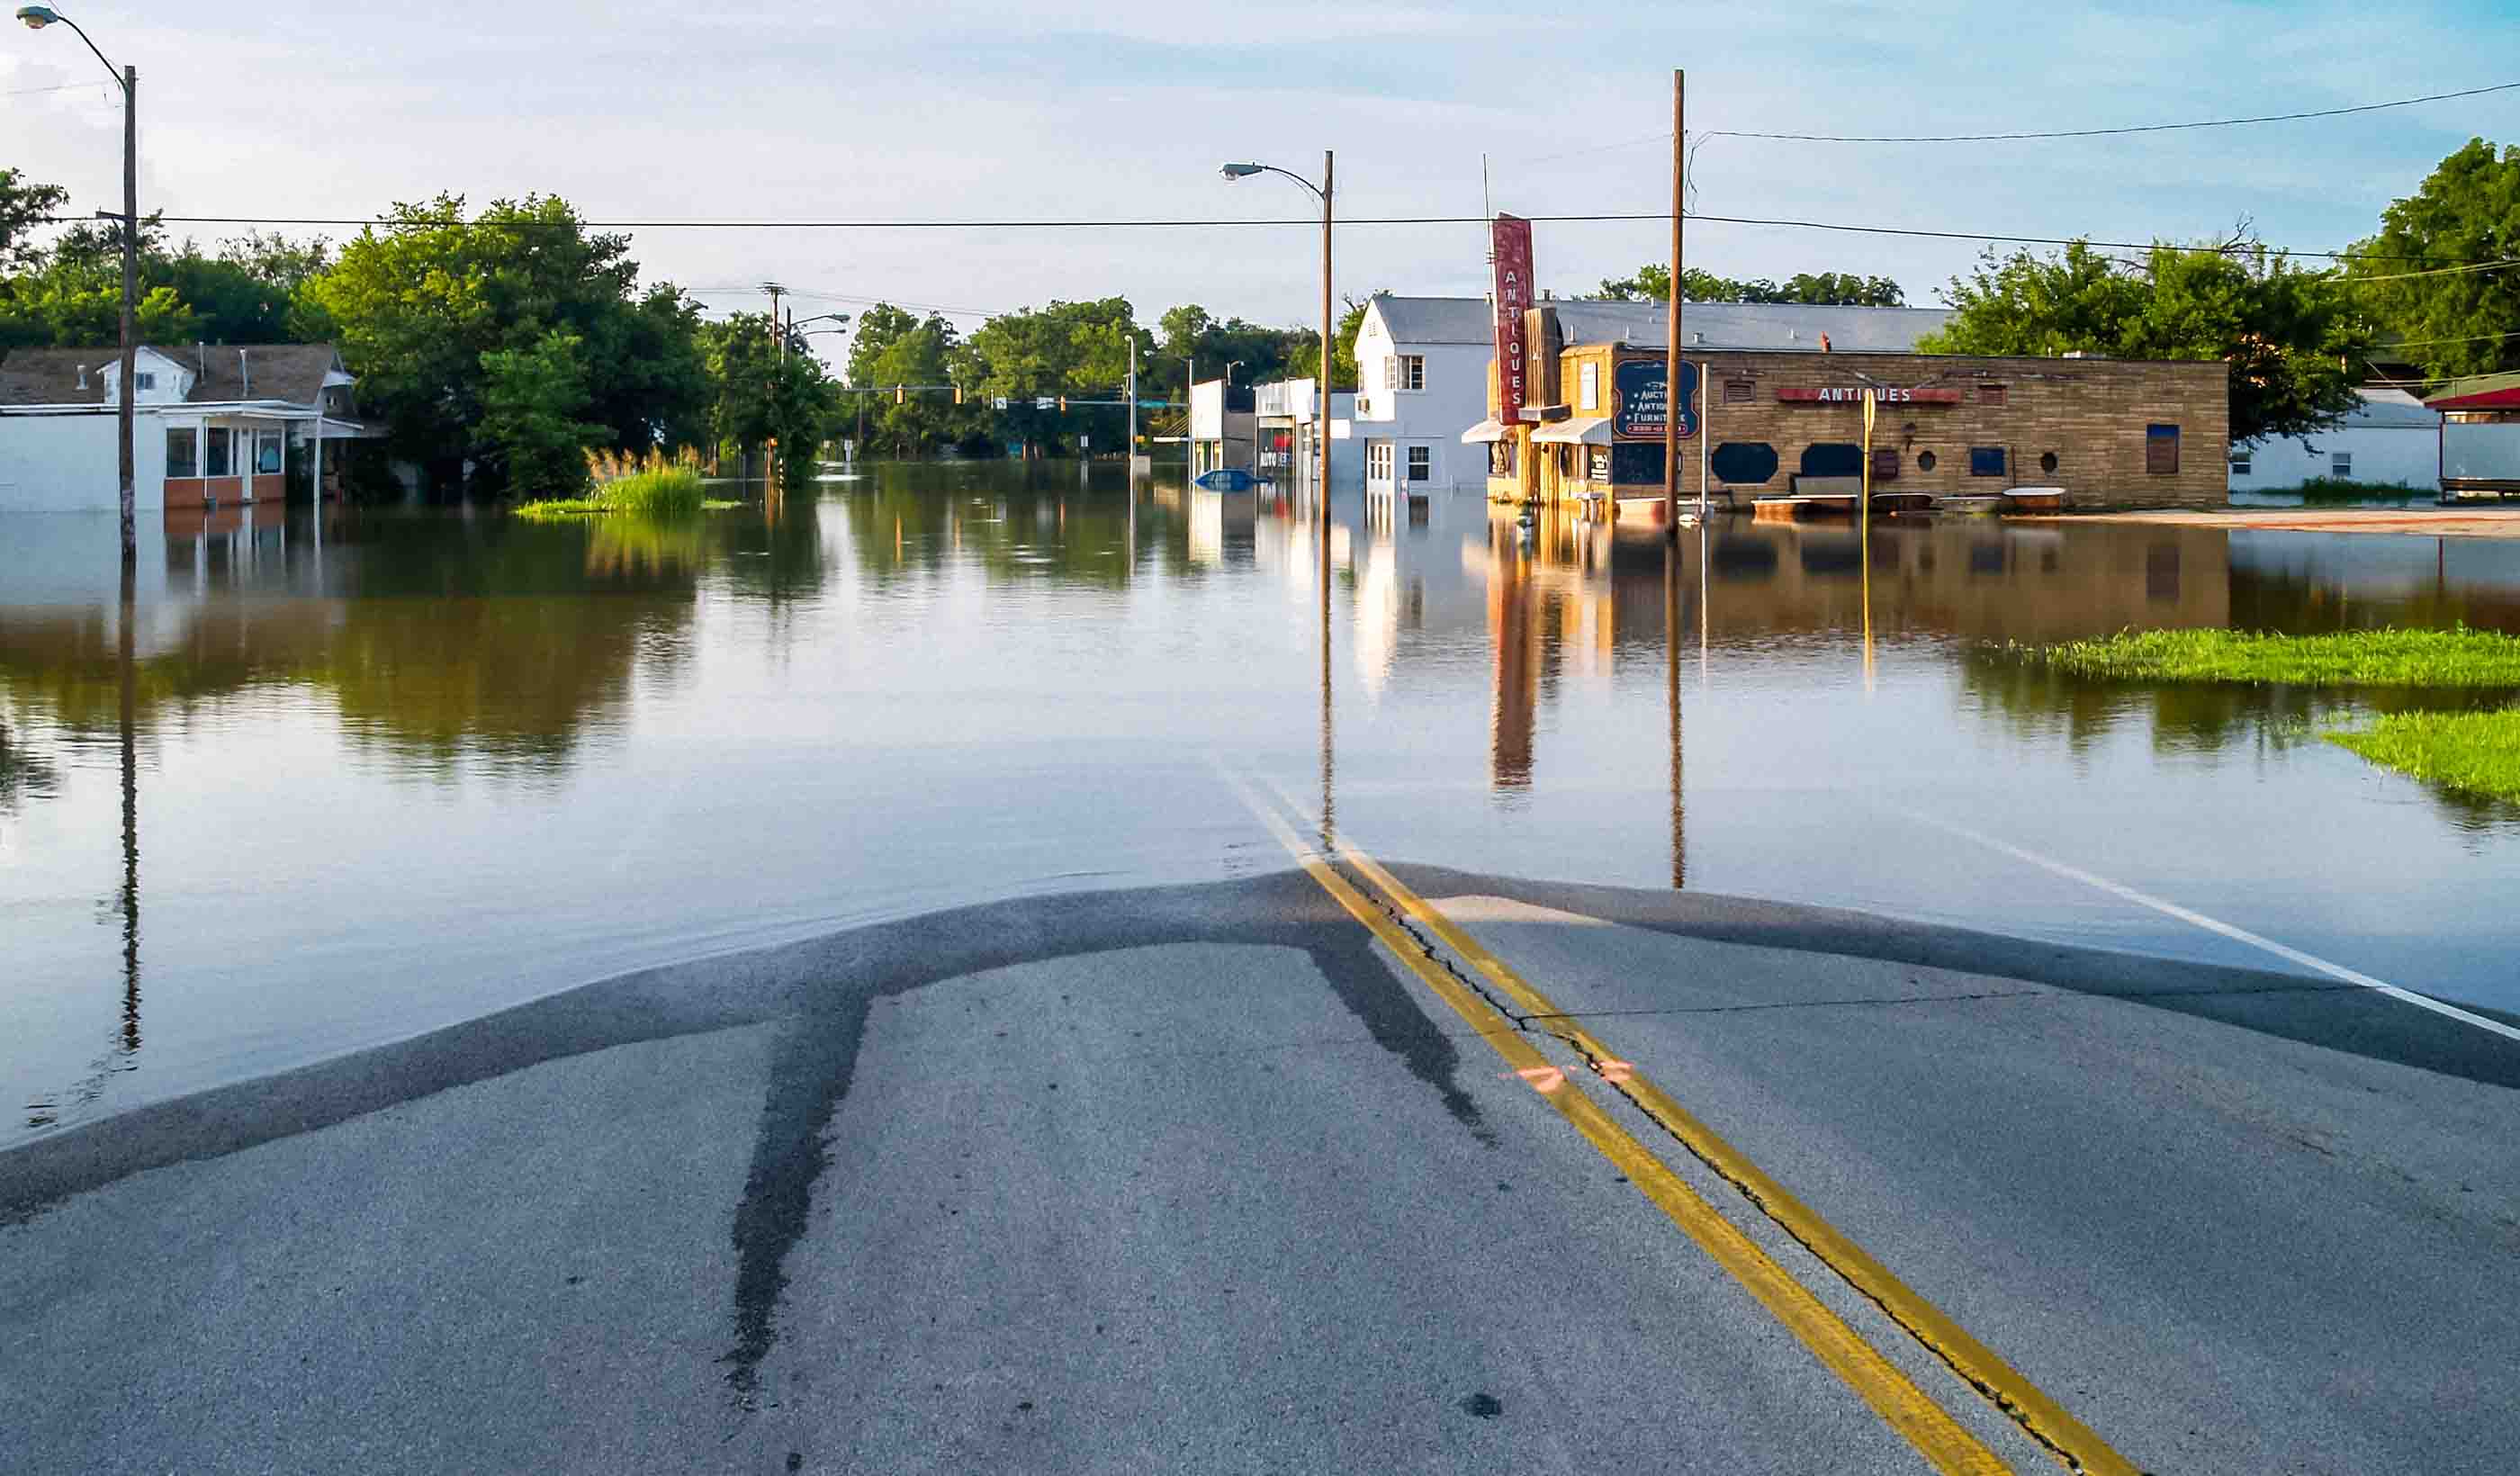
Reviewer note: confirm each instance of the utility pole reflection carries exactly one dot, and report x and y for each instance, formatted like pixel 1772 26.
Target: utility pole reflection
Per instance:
pixel 1329 810
pixel 130 822
pixel 1671 572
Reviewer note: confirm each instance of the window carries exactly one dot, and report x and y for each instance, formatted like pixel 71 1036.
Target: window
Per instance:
pixel 1592 385
pixel 182 452
pixel 1926 461
pixel 1739 392
pixel 2161 450
pixel 216 462
pixel 144 381
pixel 2239 464
pixel 1743 463
pixel 1413 370
pixel 1378 461
pixel 1421 464
pixel 2344 460
pixel 1987 461
pixel 1634 463
pixel 1390 371
pixel 1993 394
pixel 1885 465
pixel 1500 457
pixel 2048 461
pixel 266 453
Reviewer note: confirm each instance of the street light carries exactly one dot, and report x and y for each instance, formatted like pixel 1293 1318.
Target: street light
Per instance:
pixel 1325 192
pixel 36 18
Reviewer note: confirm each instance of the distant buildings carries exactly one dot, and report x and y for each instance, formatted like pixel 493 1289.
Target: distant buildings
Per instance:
pixel 2390 439
pixel 215 426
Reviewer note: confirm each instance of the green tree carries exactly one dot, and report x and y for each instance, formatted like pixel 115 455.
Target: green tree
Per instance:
pixel 1074 349
pixel 421 298
pixel 2452 323
pixel 1652 283
pixel 758 394
pixel 24 206
pixel 2289 336
pixel 531 403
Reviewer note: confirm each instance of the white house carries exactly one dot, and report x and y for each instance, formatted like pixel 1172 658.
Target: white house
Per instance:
pixel 1424 362
pixel 2390 439
pixel 1284 420
pixel 212 426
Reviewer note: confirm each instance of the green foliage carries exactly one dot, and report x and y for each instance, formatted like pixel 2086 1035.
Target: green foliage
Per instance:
pixel 421 298
pixel 891 348
pixel 2391 659
pixel 2330 489
pixel 23 207
pixel 1246 352
pixel 531 399
pixel 1067 348
pixel 2469 752
pixel 762 396
pixel 1652 283
pixel 2287 334
pixel 2468 210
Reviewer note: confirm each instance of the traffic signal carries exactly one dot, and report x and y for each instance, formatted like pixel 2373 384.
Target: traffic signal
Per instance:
pixel 958 394
pixel 901 394
pixel 1062 404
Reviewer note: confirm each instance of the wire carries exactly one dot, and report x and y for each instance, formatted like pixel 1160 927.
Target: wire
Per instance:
pixel 1314 224
pixel 29 92
pixel 1996 138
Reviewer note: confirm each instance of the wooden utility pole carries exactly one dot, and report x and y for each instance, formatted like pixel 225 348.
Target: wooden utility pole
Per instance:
pixel 1322 407
pixel 130 292
pixel 1674 403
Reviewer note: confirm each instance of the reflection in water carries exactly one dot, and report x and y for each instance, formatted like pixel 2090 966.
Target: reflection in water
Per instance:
pixel 945 681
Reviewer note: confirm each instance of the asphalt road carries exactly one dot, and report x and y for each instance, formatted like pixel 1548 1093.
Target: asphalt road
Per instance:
pixel 1207 1179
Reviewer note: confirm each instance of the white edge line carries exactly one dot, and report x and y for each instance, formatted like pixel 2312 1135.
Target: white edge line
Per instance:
pixel 2217 925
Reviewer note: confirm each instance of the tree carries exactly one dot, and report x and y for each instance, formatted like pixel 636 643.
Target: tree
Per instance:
pixel 24 206
pixel 2451 323
pixel 531 401
pixel 2288 335
pixel 1075 350
pixel 757 394
pixel 1652 283
pixel 421 298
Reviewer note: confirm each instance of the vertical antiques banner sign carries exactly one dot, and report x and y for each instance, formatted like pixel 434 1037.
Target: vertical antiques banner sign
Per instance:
pixel 1509 241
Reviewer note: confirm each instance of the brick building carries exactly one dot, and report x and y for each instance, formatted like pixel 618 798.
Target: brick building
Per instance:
pixel 2112 433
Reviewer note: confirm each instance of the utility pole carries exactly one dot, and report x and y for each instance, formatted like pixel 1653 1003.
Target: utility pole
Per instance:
pixel 1132 408
pixel 1675 404
pixel 130 291
pixel 1322 407
pixel 776 292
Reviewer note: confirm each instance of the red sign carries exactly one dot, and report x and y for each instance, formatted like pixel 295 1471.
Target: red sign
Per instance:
pixel 1509 240
pixel 1858 393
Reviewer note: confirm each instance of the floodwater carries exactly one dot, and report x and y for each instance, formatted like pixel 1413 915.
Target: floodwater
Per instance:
pixel 359 781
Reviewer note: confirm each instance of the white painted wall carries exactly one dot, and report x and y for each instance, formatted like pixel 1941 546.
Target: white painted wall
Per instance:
pixel 71 463
pixel 1455 399
pixel 2401 454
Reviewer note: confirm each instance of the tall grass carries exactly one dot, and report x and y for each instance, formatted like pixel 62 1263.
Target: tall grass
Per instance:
pixel 2331 491
pixel 2399 658
pixel 2472 752
pixel 655 485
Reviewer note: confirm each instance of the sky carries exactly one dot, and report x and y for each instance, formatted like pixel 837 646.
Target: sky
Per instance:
pixel 961 109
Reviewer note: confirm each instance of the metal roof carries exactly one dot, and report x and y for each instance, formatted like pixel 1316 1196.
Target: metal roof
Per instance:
pixel 1785 326
pixel 2493 392
pixel 294 373
pixel 2392 409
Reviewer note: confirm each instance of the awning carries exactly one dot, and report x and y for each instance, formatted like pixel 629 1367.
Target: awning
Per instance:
pixel 1592 432
pixel 1485 433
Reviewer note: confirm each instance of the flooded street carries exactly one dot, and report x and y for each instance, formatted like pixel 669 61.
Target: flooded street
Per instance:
pixel 406 769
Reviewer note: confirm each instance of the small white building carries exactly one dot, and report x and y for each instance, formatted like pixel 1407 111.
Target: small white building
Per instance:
pixel 214 426
pixel 1222 431
pixel 2390 439
pixel 1282 412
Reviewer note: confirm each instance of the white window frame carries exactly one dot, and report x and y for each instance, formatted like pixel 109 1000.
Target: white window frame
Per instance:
pixel 1378 461
pixel 2240 464
pixel 1411 370
pixel 1391 371
pixel 1591 376
pixel 1421 461
pixel 2341 464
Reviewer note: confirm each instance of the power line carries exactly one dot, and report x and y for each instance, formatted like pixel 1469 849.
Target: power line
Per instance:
pixel 1310 224
pixel 2059 133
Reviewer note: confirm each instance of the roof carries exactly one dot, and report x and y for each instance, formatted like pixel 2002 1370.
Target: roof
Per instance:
pixel 2493 392
pixel 291 372
pixel 1793 326
pixel 2392 409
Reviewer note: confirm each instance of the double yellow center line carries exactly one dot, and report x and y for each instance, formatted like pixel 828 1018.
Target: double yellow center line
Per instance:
pixel 1941 1440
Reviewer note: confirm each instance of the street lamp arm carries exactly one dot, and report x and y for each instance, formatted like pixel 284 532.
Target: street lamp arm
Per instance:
pixel 1239 172
pixel 41 16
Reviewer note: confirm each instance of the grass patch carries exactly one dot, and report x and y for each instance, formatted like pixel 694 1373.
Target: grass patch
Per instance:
pixel 2396 658
pixel 561 508
pixel 2472 752
pixel 654 486
pixel 2321 490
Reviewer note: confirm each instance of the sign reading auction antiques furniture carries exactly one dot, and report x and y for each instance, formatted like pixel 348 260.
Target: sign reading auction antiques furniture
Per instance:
pixel 1856 394
pixel 1641 389
pixel 1511 237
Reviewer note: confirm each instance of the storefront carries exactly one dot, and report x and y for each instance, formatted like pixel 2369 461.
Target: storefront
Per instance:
pixel 1759 423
